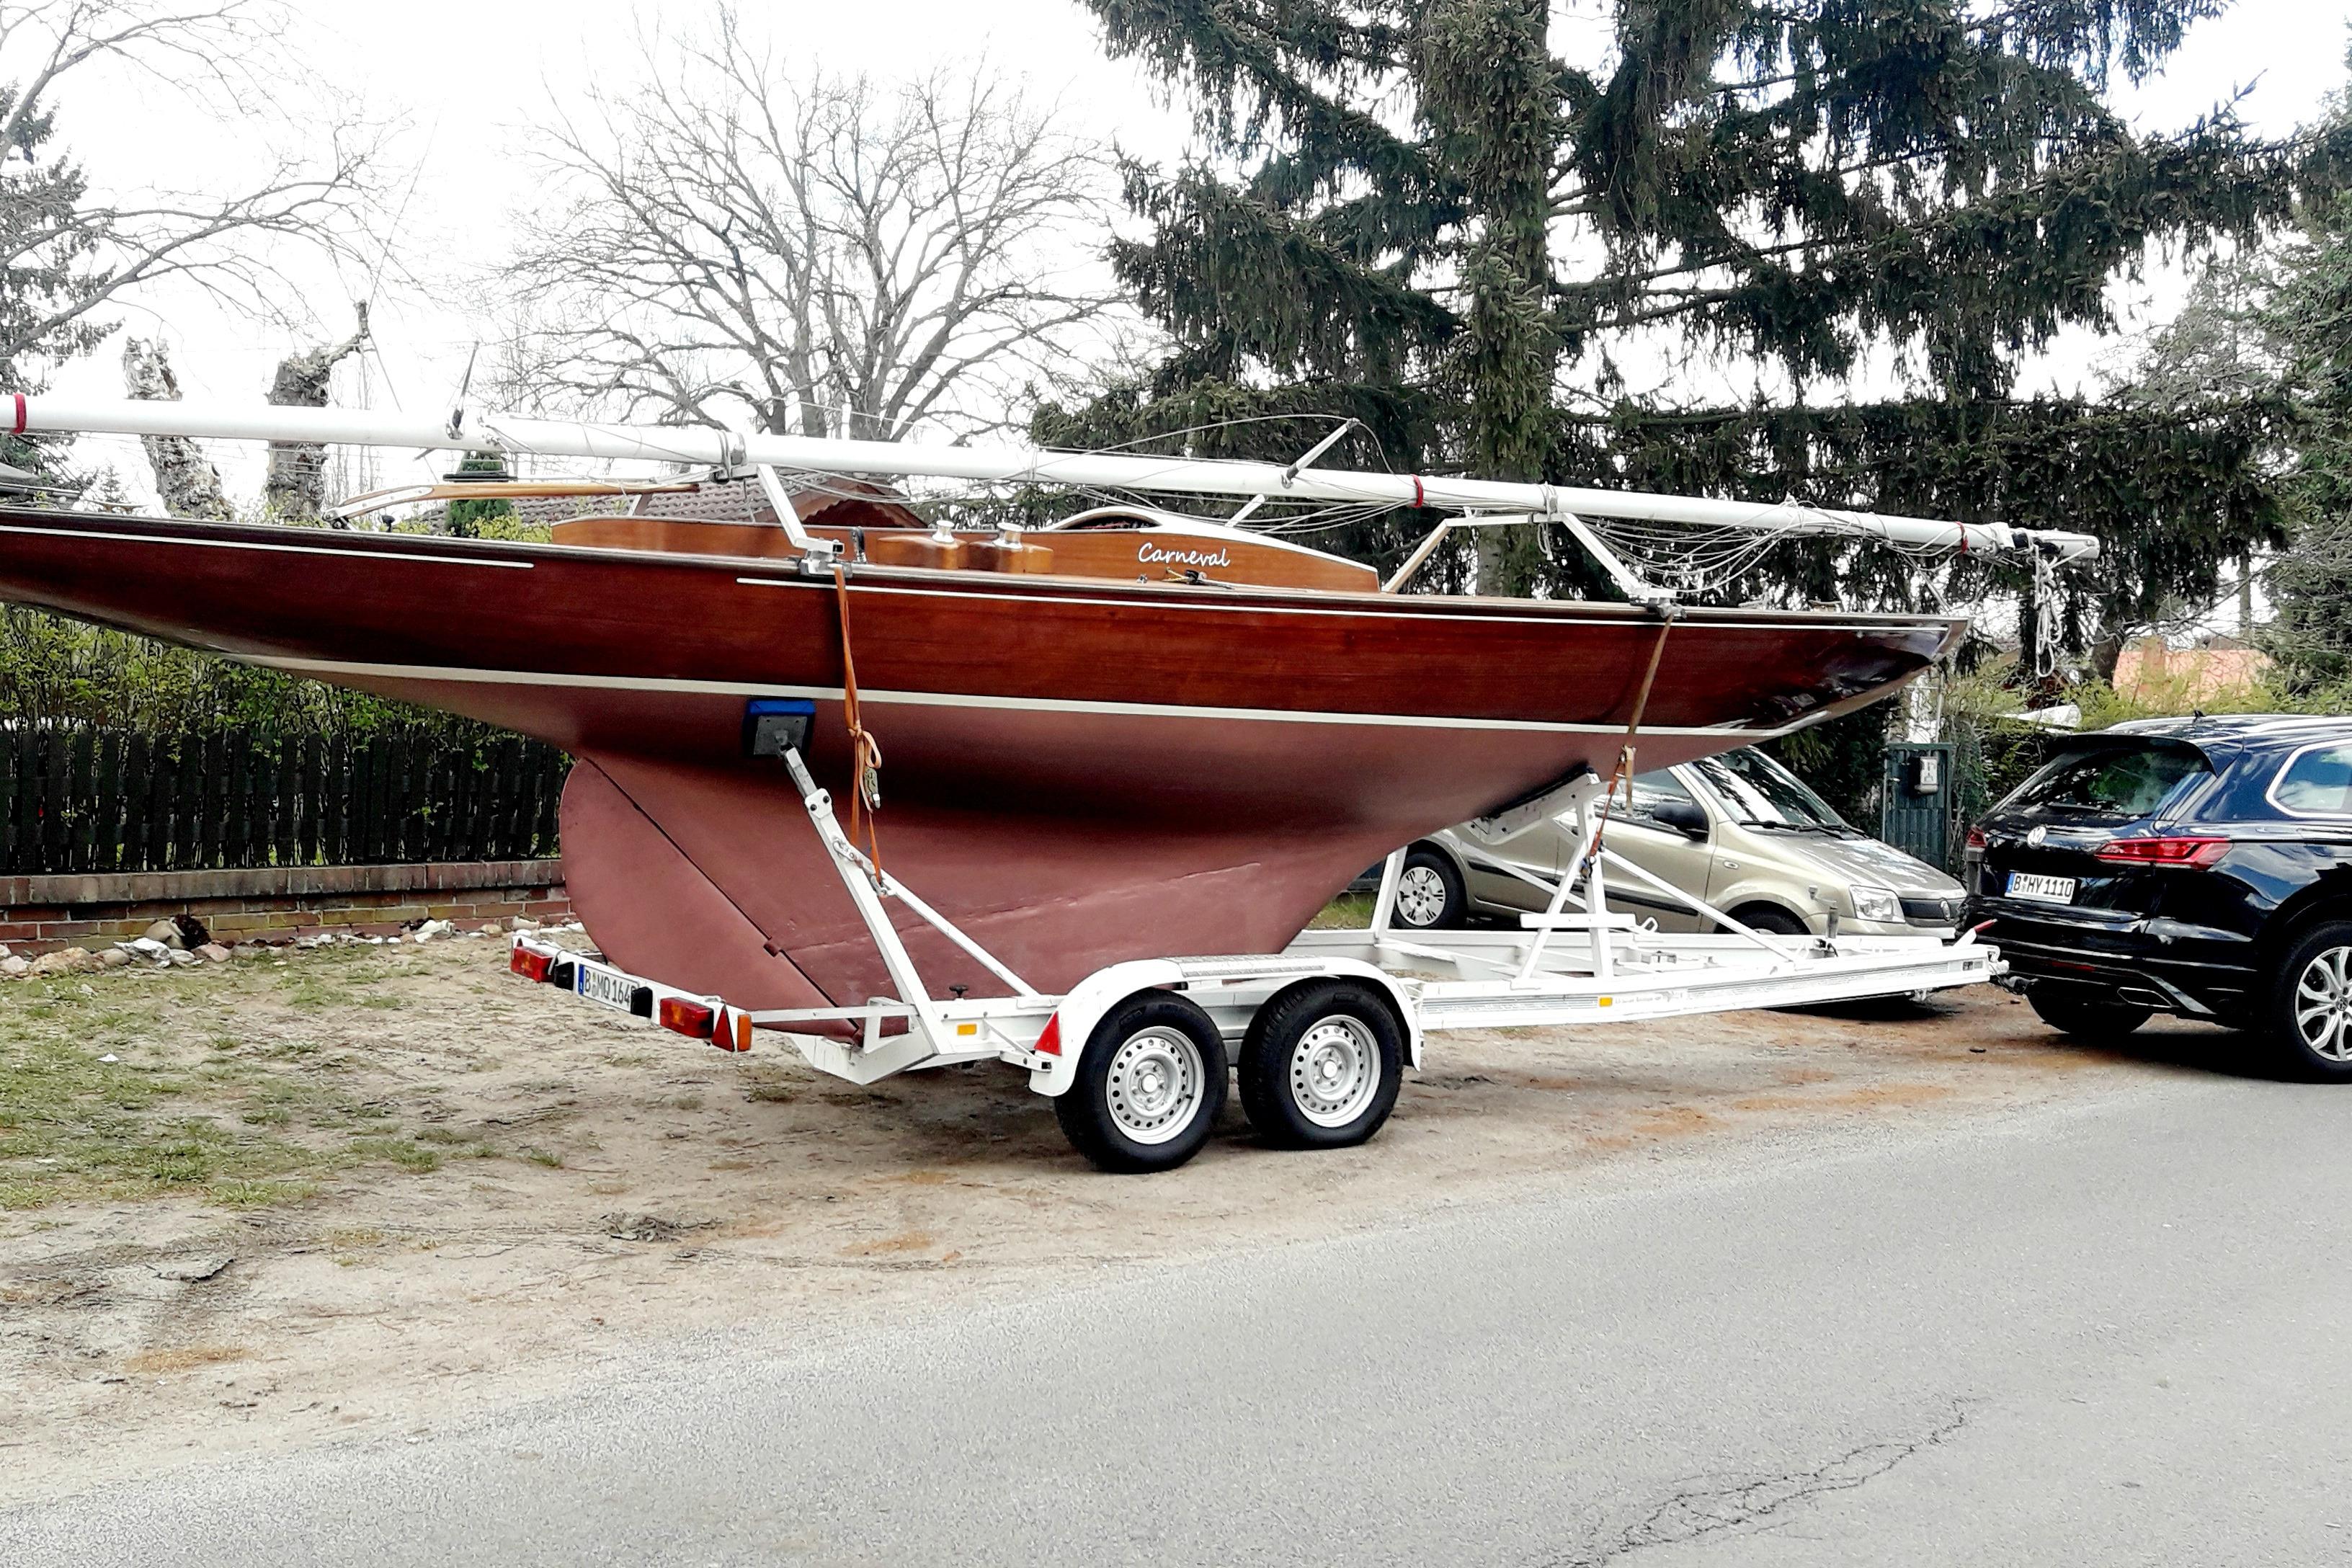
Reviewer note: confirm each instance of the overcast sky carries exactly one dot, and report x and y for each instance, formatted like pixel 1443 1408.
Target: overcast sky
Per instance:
pixel 465 78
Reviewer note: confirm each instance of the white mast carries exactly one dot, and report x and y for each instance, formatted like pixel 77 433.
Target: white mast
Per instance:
pixel 1006 464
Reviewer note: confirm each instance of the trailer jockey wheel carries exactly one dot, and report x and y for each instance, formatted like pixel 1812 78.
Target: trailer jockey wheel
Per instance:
pixel 1149 1087
pixel 1321 1065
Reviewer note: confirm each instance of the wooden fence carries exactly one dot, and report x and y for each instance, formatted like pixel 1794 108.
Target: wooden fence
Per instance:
pixel 79 800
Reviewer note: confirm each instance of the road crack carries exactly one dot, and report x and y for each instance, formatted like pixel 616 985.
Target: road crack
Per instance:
pixel 1702 1507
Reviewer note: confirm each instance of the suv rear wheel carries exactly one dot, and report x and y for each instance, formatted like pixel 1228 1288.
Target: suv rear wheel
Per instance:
pixel 2086 1017
pixel 2309 1009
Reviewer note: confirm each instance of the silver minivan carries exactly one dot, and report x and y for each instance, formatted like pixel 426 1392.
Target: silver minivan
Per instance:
pixel 1737 830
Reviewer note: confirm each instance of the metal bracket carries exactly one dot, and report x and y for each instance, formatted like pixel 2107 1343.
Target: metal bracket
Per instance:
pixel 869 885
pixel 1290 474
pixel 819 554
pixel 1630 582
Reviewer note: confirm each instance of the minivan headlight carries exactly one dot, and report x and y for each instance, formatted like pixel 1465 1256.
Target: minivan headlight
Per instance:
pixel 1878 904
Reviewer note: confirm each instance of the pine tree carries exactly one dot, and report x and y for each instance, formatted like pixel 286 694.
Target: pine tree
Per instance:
pixel 465 518
pixel 48 272
pixel 47 277
pixel 2308 318
pixel 1419 216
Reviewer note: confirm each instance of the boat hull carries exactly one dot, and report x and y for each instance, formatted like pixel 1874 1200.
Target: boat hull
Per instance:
pixel 1077 771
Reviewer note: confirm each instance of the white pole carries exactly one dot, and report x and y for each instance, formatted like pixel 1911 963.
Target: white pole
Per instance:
pixel 1024 465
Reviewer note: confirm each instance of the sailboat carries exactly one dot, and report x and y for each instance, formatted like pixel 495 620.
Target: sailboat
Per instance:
pixel 1135 733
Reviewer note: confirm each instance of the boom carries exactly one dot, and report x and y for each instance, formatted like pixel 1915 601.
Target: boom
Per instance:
pixel 703 445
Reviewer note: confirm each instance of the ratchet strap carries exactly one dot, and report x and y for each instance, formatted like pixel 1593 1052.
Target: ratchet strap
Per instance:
pixel 1623 774
pixel 864 751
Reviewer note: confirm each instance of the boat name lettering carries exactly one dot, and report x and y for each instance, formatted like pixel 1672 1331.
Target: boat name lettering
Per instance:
pixel 1150 552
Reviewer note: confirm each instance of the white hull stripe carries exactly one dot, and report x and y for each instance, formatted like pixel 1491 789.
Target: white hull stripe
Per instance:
pixel 1235 602
pixel 332 669
pixel 342 552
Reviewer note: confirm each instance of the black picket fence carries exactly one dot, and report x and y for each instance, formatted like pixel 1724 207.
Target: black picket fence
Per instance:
pixel 80 800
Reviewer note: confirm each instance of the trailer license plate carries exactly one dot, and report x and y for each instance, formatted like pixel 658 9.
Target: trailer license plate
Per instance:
pixel 2042 889
pixel 602 986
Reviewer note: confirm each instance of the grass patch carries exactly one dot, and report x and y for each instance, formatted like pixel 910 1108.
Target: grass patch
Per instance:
pixel 767 1085
pixel 72 1125
pixel 248 1194
pixel 405 1152
pixel 1348 911
pixel 245 1086
pixel 456 1145
pixel 185 1358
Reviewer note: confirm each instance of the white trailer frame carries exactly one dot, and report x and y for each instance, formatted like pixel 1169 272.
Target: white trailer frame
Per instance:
pixel 1583 964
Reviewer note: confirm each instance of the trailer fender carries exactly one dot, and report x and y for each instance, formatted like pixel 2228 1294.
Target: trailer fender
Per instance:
pixel 1066 1036
pixel 1408 1016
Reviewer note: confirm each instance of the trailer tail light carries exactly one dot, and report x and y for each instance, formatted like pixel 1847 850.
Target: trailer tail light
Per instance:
pixel 2195 853
pixel 531 964
pixel 732 1031
pixel 1049 1043
pixel 695 1020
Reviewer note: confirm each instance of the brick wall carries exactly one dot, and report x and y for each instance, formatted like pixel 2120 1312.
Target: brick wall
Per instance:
pixel 38 914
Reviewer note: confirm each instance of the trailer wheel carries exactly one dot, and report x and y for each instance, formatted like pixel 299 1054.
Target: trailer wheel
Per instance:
pixel 1149 1087
pixel 1321 1065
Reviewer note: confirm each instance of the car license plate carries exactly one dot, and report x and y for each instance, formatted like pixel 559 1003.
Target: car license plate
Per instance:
pixel 2044 890
pixel 602 986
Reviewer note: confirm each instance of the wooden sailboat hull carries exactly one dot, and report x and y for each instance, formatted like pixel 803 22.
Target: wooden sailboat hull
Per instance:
pixel 1077 771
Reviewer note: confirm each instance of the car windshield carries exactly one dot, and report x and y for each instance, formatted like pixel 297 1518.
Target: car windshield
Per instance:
pixel 2118 782
pixel 1649 792
pixel 1761 792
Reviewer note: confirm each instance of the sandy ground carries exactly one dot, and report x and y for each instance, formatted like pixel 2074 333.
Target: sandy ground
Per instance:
pixel 434 1189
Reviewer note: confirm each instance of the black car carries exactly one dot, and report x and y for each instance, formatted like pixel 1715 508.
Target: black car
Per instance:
pixel 2201 867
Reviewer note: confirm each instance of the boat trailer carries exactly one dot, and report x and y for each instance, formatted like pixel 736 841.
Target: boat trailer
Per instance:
pixel 1136 1056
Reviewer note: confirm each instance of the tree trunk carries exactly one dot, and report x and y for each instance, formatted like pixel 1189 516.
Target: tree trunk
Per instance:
pixel 296 487
pixel 2108 652
pixel 1489 88
pixel 185 480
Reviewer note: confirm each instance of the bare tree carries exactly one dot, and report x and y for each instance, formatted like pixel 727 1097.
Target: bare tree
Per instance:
pixel 185 480
pixel 68 250
pixel 296 484
pixel 835 257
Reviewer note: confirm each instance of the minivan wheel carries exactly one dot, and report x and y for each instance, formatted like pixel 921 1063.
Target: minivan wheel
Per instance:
pixel 2086 1017
pixel 2310 1003
pixel 1429 893
pixel 1769 919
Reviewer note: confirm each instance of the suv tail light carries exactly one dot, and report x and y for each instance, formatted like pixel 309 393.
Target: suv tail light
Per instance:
pixel 2195 853
pixel 1976 840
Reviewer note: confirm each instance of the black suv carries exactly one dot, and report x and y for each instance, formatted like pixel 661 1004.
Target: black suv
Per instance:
pixel 2201 867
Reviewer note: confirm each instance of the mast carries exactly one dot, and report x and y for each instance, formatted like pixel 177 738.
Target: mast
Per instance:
pixel 698 446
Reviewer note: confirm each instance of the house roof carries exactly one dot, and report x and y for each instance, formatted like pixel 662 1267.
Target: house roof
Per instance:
pixel 852 503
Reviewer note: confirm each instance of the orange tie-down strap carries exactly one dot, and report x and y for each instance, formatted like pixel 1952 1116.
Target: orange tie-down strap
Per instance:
pixel 865 752
pixel 1624 771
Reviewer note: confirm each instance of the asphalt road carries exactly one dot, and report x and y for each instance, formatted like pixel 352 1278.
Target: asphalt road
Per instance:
pixel 2118 1330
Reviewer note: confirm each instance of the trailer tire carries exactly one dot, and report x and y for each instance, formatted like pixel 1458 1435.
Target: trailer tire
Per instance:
pixel 1150 1085
pixel 1321 1065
